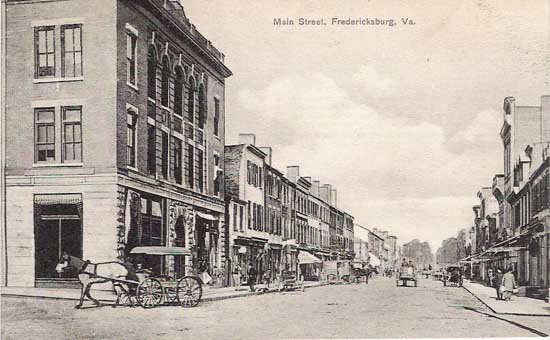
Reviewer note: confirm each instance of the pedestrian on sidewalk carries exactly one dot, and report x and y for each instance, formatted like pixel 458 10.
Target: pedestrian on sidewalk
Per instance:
pixel 251 280
pixel 237 270
pixel 509 284
pixel 498 283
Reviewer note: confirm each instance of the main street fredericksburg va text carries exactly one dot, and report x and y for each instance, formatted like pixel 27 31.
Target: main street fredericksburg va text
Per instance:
pixel 336 21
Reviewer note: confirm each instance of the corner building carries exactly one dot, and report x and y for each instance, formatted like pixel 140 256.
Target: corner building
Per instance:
pixel 116 126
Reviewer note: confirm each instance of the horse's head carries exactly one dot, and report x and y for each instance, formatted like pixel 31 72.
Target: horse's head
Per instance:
pixel 64 263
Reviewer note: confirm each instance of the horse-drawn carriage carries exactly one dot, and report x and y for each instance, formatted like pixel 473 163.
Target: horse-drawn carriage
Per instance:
pixel 132 286
pixel 405 274
pixel 290 281
pixel 452 276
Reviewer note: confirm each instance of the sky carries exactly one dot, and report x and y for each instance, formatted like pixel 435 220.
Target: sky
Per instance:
pixel 404 121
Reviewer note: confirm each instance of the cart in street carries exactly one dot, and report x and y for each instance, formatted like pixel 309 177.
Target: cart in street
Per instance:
pixel 150 290
pixel 404 275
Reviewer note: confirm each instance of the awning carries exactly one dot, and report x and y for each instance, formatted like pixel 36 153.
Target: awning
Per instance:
pixel 161 251
pixel 206 216
pixel 504 249
pixel 374 260
pixel 58 199
pixel 306 258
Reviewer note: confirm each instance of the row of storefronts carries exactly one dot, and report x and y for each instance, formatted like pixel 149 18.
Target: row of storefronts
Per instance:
pixel 512 221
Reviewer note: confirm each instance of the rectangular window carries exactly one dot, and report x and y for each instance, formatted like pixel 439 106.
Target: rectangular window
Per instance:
pixel 200 169
pixel 249 212
pixel 218 177
pixel 177 160
pixel 164 155
pixel 44 131
pixel 44 40
pixel 235 217
pixel 151 150
pixel 216 117
pixel 72 134
pixel 71 50
pixel 241 213
pixel 131 52
pixel 131 139
pixel 190 165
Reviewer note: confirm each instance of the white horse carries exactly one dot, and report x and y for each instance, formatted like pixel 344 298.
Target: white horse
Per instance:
pixel 92 273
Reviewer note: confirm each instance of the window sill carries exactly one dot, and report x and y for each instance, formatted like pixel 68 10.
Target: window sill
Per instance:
pixel 129 167
pixel 56 165
pixel 56 80
pixel 135 87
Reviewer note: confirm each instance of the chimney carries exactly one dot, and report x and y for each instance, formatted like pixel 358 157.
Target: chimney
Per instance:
pixel 326 191
pixel 315 187
pixel 333 200
pixel 545 119
pixel 247 138
pixel 293 173
pixel 268 151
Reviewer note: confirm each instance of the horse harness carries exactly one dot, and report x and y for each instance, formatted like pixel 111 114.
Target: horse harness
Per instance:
pixel 85 269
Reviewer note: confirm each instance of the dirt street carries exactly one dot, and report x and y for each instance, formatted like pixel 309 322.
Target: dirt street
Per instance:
pixel 377 310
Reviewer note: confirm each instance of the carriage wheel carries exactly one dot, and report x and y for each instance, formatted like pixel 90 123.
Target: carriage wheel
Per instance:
pixel 189 291
pixel 150 293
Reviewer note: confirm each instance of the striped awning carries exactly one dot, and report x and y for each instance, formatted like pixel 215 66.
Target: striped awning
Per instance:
pixel 51 199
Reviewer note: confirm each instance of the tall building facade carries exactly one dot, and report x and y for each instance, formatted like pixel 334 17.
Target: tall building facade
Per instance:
pixel 116 130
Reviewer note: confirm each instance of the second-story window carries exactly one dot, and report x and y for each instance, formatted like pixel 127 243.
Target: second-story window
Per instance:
pixel 72 135
pixel 200 170
pixel 189 166
pixel 45 135
pixel 44 38
pixel 177 160
pixel 131 55
pixel 151 150
pixel 131 138
pixel 164 154
pixel 216 117
pixel 165 82
pixel 71 50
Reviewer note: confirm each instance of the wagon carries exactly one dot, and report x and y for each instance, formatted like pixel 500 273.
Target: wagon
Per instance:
pixel 290 281
pixel 404 275
pixel 151 291
pixel 452 276
pixel 339 271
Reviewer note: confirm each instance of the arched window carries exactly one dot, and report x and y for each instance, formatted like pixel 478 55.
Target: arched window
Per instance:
pixel 165 81
pixel 191 99
pixel 202 107
pixel 152 73
pixel 178 92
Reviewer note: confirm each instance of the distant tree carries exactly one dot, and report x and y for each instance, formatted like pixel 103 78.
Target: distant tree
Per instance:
pixel 419 252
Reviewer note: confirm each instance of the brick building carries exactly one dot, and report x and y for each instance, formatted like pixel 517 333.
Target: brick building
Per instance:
pixel 116 126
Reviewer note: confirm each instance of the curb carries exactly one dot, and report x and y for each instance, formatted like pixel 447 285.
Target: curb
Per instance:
pixel 204 299
pixel 503 313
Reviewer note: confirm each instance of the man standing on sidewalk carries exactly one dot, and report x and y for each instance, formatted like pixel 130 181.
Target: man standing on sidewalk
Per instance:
pixel 251 280
pixel 509 284
pixel 498 283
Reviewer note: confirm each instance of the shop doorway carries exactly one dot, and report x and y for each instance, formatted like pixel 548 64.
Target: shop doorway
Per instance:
pixel 57 229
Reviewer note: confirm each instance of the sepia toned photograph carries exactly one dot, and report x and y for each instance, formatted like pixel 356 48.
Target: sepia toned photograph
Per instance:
pixel 274 169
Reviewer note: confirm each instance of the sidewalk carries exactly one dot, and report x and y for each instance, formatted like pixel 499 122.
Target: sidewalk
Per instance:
pixel 518 306
pixel 208 293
